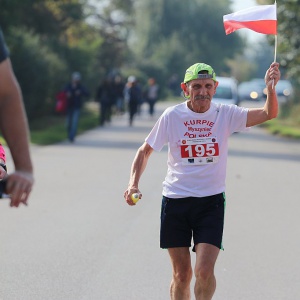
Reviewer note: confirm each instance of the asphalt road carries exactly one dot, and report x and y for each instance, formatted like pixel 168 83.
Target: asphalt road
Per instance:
pixel 79 240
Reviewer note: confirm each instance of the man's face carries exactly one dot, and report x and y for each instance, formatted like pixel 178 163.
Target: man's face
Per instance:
pixel 201 92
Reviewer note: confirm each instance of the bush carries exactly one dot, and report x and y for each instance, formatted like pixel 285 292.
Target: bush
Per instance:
pixel 38 69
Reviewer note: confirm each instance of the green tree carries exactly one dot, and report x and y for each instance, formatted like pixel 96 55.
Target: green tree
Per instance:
pixel 54 41
pixel 170 35
pixel 39 71
pixel 113 21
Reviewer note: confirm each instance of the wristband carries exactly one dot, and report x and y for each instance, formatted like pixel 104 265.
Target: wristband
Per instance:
pixel 3 166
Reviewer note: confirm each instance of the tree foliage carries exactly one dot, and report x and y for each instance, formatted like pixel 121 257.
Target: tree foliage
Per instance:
pixel 50 39
pixel 38 68
pixel 170 35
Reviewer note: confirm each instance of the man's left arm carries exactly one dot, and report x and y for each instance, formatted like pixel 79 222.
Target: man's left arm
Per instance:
pixel 270 110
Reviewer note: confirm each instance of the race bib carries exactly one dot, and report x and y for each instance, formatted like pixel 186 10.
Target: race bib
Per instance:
pixel 199 151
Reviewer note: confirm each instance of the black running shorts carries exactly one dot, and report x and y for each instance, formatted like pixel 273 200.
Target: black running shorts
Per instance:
pixel 185 218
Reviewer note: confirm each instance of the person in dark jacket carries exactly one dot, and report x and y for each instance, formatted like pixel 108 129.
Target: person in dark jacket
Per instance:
pixel 75 92
pixel 104 96
pixel 133 96
pixel 118 88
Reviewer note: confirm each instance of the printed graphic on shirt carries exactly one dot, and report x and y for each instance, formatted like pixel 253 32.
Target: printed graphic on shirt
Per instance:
pixel 199 151
pixel 198 128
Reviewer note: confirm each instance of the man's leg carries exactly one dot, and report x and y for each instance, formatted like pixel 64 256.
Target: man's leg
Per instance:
pixel 69 122
pixel 182 273
pixel 75 121
pixel 206 256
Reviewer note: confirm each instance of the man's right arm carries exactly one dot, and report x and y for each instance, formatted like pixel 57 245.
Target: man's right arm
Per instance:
pixel 138 166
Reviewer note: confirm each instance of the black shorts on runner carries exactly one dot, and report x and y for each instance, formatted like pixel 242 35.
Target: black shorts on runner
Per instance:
pixel 185 218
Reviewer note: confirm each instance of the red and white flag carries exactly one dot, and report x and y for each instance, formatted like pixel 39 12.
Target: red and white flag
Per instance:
pixel 262 19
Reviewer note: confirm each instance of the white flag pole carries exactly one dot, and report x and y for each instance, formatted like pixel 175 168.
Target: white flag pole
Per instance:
pixel 275 51
pixel 275 54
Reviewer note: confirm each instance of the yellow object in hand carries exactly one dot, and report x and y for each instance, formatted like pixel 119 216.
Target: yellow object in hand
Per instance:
pixel 135 197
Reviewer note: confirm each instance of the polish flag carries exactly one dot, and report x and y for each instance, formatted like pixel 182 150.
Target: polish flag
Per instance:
pixel 262 19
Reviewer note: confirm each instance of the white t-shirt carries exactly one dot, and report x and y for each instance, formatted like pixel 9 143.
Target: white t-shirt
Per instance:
pixel 197 147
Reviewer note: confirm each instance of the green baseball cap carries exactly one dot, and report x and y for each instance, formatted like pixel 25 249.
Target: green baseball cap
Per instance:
pixel 193 72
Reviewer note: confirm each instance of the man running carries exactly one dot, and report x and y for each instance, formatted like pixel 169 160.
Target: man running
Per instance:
pixel 193 201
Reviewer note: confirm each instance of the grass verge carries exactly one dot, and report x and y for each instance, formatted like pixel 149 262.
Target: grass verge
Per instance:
pixel 52 129
pixel 288 122
pixel 282 128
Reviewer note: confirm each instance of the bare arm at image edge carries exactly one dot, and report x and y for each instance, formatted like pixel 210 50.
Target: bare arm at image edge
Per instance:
pixel 14 127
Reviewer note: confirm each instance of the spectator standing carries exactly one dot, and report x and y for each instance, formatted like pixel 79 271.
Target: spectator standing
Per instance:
pixel 105 97
pixel 174 85
pixel 151 95
pixel 75 92
pixel 133 96
pixel 118 88
pixel 14 127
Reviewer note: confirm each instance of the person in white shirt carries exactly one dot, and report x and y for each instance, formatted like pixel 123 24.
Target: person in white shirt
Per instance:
pixel 196 132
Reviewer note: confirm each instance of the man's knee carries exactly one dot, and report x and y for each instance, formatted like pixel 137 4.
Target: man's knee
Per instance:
pixel 204 273
pixel 206 258
pixel 183 276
